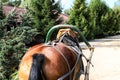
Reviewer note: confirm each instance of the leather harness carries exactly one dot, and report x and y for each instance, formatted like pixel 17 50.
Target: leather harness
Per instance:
pixel 71 44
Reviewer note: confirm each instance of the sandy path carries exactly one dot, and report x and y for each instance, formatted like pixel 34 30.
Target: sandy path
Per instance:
pixel 106 59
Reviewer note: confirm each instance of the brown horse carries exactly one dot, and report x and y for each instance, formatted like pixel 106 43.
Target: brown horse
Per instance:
pixel 50 61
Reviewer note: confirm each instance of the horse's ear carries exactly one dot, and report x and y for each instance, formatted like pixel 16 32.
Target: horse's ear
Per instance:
pixel 63 31
pixel 60 33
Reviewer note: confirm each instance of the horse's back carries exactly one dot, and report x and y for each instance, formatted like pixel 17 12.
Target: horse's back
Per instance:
pixel 54 66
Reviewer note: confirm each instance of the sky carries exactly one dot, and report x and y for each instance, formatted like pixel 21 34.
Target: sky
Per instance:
pixel 66 4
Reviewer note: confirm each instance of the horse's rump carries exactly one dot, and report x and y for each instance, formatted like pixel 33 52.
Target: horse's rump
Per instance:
pixel 54 65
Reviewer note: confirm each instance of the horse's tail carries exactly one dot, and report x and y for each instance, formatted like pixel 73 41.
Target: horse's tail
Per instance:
pixel 36 67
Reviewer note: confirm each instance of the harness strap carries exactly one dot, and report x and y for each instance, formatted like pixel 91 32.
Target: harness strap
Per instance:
pixel 64 59
pixel 78 54
pixel 88 65
pixel 76 49
pixel 62 37
pixel 67 74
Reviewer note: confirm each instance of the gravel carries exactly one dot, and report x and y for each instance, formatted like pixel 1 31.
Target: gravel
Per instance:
pixel 106 58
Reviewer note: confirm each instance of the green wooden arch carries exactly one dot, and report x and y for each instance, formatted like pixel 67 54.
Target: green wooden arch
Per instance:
pixel 66 26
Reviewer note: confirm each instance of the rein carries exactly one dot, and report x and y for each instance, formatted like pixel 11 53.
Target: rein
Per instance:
pixel 65 61
pixel 64 76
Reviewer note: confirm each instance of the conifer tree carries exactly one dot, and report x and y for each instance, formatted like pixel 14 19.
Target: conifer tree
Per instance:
pixel 79 16
pixel 98 10
pixel 45 14
pixel 95 19
pixel 1 11
pixel 1 17
pixel 14 43
pixel 116 10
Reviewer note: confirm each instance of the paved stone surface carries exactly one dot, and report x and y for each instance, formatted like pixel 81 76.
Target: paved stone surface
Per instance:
pixel 106 58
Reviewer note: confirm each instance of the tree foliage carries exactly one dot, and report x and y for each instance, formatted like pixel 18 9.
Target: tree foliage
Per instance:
pixel 96 19
pixel 79 16
pixel 1 11
pixel 16 38
pixel 13 42
pixel 98 9
pixel 45 14
pixel 15 3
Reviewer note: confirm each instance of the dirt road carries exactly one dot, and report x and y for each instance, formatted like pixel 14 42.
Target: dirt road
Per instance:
pixel 106 59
